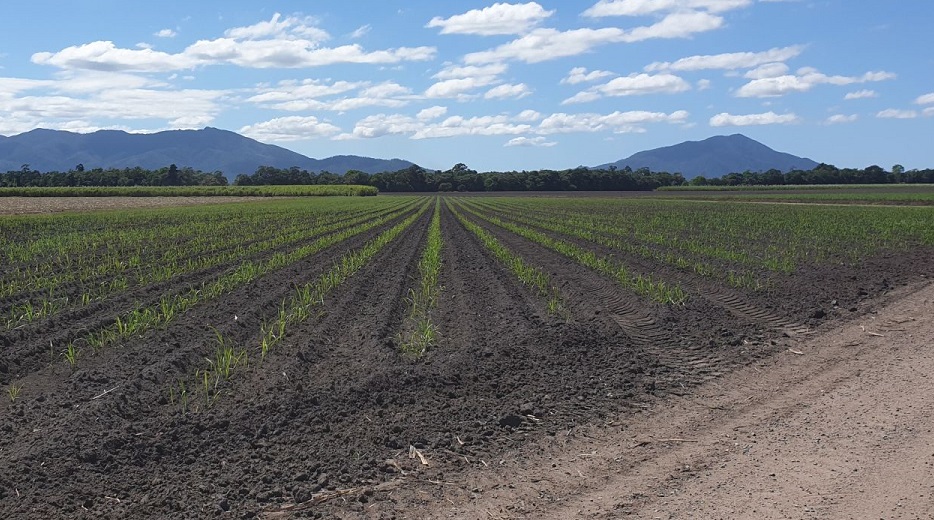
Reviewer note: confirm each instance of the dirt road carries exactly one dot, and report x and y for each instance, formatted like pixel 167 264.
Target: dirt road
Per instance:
pixel 837 426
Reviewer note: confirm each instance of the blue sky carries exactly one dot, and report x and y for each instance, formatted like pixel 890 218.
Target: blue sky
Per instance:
pixel 497 86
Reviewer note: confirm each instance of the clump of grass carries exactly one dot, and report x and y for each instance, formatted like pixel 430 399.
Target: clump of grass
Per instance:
pixel 14 390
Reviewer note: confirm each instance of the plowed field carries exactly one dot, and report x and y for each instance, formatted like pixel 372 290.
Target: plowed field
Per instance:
pixel 264 374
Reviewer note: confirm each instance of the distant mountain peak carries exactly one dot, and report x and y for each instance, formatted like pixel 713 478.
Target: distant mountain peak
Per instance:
pixel 714 157
pixel 209 149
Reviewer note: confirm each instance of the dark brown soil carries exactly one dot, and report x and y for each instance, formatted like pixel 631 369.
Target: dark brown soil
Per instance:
pixel 324 426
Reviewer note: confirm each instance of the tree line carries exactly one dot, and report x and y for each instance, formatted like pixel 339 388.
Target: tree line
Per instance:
pixel 461 178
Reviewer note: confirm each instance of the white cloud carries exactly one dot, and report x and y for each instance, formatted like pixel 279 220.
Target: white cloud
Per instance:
pixel 290 27
pixel 385 89
pixel 427 114
pixel 618 122
pixel 894 113
pixel 861 94
pixel 499 18
pixel 291 42
pixel 105 56
pixel 165 33
pixel 306 95
pixel 177 108
pixel 528 116
pixel 841 118
pixel 530 141
pixel 517 91
pixel 928 112
pixel 632 85
pixel 580 75
pixel 471 71
pixel 458 88
pixel 768 118
pixel 926 99
pixel 645 7
pixel 728 61
pixel 361 31
pixel 703 84
pixel 676 25
pixel 804 80
pixel 482 125
pixel 381 124
pixel 769 70
pixel 291 128
pixel 547 44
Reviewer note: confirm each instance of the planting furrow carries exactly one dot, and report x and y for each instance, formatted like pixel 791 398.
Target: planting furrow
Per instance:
pixel 419 332
pixel 643 285
pixel 529 275
pixel 73 344
pixel 194 267
pixel 293 310
pixel 702 287
pixel 154 269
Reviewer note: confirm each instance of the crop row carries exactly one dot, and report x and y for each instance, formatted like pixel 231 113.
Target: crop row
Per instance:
pixel 642 284
pixel 529 275
pixel 419 333
pixel 776 238
pixel 169 307
pixel 293 310
pixel 184 261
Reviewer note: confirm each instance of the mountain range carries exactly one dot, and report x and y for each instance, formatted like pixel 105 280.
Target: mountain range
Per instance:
pixel 208 150
pixel 714 157
pixel 212 149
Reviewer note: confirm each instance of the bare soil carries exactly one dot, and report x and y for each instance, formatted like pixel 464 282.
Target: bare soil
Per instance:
pixel 836 426
pixel 517 413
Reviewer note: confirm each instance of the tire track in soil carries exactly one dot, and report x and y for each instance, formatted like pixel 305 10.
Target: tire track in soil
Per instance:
pixel 684 346
pixel 124 430
pixel 731 300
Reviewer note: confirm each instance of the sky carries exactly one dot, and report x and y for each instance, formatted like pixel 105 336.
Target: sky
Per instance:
pixel 497 86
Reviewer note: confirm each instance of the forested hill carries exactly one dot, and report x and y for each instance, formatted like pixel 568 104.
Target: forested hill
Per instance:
pixel 714 157
pixel 208 150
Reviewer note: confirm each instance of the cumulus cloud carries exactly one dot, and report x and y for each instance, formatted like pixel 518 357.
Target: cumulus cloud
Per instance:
pixel 803 81
pixel 547 44
pixel 617 122
pixel 427 126
pixel 580 75
pixel 458 88
pixel 769 70
pixel 767 118
pixel 644 7
pixel 632 85
pixel 499 18
pixel 538 141
pixel 840 119
pixel 676 25
pixel 165 33
pixel 507 91
pixel 926 99
pixel 861 94
pixel 728 61
pixel 427 114
pixel 457 81
pixel 294 96
pixel 895 113
pixel 289 42
pixel 291 128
